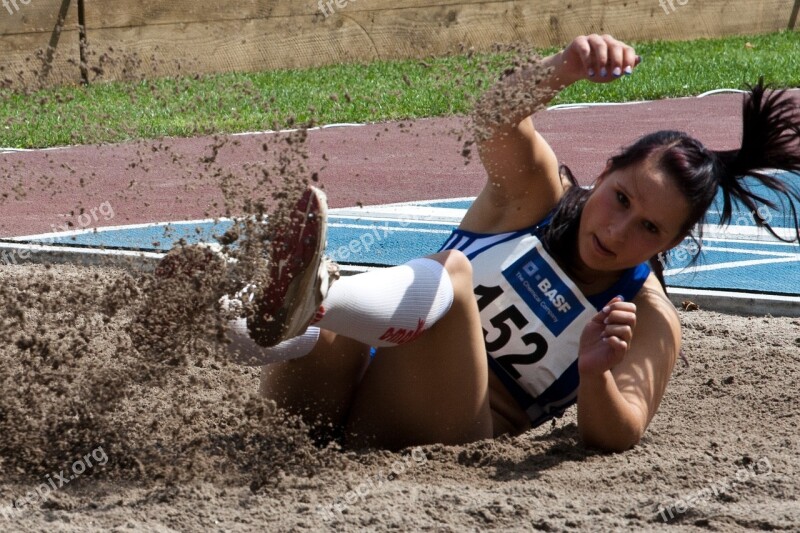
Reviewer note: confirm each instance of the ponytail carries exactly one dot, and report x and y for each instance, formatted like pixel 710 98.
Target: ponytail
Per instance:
pixel 770 140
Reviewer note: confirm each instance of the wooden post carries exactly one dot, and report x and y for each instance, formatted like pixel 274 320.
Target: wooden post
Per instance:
pixel 83 43
pixel 54 37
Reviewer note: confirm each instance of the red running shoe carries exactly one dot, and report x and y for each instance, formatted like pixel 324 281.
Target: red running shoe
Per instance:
pixel 299 278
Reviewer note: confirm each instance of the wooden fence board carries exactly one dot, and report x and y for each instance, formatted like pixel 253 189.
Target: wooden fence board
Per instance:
pixel 205 47
pixel 24 60
pixel 307 40
pixel 39 16
pixel 26 37
pixel 115 14
pixel 635 17
pixel 159 37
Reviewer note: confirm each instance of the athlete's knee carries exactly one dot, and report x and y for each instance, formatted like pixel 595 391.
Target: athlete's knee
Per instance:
pixel 459 269
pixel 455 262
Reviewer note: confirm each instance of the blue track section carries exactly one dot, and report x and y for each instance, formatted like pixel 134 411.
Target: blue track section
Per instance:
pixel 350 240
pixel 730 265
pixel 357 241
pixel 448 204
pixel 780 217
pixel 395 233
pixel 150 238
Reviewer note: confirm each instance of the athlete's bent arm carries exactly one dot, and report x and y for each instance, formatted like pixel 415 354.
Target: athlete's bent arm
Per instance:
pixel 523 180
pixel 623 378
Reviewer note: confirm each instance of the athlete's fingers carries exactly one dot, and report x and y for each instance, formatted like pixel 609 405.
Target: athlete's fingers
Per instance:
pixel 599 56
pixel 581 47
pixel 622 317
pixel 616 56
pixel 628 307
pixel 599 318
pixel 602 57
pixel 630 59
pixel 619 348
pixel 622 57
pixel 617 303
pixel 624 333
pixel 619 319
pixel 612 301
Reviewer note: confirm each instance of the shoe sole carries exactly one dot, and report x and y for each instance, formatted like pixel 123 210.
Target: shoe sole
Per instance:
pixel 293 296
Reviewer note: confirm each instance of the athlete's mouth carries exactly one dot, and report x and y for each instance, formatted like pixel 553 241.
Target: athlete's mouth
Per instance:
pixel 602 250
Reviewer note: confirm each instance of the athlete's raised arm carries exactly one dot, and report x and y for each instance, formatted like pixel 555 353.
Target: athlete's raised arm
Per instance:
pixel 523 181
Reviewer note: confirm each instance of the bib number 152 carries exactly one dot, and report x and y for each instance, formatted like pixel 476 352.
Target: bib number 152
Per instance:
pixel 502 323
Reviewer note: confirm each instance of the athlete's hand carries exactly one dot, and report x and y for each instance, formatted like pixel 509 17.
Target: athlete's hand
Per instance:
pixel 606 338
pixel 598 58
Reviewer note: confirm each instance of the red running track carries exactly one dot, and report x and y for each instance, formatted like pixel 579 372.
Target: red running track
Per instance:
pixel 166 179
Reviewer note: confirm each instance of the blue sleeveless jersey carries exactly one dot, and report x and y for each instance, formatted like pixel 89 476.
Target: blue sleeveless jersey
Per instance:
pixel 533 314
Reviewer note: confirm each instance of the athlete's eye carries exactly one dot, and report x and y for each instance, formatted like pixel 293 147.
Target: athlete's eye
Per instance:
pixel 621 198
pixel 649 226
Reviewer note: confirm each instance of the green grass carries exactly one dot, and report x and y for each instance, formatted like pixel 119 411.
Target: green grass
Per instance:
pixel 384 90
pixel 672 69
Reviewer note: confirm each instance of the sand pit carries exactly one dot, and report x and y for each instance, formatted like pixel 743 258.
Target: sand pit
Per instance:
pixel 181 442
pixel 119 410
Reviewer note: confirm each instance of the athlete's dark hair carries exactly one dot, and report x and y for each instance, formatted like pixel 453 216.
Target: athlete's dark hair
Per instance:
pixel 770 140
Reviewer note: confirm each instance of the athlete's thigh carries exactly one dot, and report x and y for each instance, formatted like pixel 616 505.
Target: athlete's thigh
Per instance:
pixel 433 389
pixel 319 386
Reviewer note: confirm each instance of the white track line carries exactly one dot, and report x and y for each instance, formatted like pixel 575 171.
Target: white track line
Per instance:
pixel 750 252
pixel 246 133
pixel 731 264
pixel 74 233
pixel 390 230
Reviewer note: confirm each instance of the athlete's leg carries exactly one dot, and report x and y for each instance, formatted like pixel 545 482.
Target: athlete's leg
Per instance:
pixel 320 386
pixel 385 307
pixel 433 389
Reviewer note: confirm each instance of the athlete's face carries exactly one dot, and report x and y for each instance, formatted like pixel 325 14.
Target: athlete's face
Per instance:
pixel 632 214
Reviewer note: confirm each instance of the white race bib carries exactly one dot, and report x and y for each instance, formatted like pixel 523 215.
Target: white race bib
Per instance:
pixel 532 313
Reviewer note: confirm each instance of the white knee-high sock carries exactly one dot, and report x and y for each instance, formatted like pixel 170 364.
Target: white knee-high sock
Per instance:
pixel 244 350
pixel 389 306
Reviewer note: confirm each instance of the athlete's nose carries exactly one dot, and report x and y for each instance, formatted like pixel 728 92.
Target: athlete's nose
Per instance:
pixel 616 231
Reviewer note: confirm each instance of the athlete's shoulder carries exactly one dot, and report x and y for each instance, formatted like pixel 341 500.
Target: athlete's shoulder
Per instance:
pixel 653 305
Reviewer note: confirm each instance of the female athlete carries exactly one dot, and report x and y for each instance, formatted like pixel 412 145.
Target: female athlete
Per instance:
pixel 542 297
